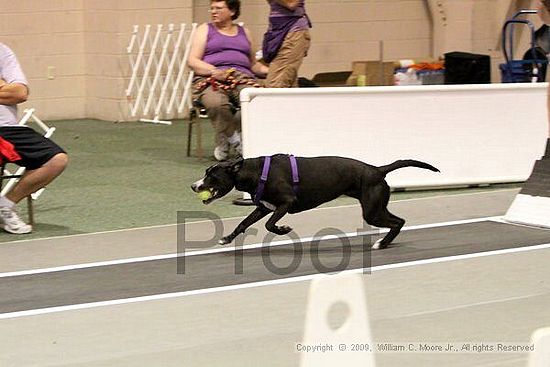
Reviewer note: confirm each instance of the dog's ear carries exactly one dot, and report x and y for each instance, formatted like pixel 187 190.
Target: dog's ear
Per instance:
pixel 236 165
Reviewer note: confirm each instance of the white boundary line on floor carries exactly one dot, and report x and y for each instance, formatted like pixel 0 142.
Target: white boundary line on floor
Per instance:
pixel 465 306
pixel 218 249
pixel 241 217
pixel 83 306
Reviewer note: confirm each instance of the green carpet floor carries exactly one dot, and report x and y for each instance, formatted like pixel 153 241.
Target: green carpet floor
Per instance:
pixel 132 174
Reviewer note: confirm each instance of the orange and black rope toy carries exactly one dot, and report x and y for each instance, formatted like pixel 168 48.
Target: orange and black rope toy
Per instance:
pixel 231 82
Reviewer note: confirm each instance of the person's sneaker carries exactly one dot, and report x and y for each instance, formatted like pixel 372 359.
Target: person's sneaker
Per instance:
pixel 221 152
pixel 12 222
pixel 202 113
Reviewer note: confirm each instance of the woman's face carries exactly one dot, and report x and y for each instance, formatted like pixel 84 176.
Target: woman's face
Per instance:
pixel 219 12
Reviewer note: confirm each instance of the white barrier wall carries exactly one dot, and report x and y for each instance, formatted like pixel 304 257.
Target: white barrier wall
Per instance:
pixel 475 134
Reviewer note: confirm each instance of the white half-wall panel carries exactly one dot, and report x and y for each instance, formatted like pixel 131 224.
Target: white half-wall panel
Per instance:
pixel 475 134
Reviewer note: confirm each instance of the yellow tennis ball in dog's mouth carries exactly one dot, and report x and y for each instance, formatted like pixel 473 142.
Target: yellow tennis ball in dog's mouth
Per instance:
pixel 204 195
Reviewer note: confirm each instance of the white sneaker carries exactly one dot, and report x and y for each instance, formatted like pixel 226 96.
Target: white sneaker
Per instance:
pixel 221 152
pixel 12 222
pixel 203 114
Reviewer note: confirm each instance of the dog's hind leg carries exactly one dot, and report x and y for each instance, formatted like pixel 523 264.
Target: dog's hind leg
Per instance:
pixel 390 221
pixel 271 224
pixel 252 218
pixel 374 203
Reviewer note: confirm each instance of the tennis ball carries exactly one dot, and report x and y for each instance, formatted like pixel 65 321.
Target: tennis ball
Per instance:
pixel 204 195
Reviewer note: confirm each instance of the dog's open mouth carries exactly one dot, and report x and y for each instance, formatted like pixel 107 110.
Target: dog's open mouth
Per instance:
pixel 213 196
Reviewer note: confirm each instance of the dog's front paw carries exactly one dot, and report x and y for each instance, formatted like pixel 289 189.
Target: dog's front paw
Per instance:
pixel 378 245
pixel 282 230
pixel 225 240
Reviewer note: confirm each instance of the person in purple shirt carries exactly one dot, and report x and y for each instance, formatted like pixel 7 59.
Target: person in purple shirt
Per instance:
pixel 286 42
pixel 223 61
pixel 544 13
pixel 43 159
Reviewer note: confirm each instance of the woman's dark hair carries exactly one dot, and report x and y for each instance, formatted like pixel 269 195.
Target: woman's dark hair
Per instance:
pixel 233 5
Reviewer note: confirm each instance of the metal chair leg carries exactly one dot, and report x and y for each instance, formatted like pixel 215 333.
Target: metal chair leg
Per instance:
pixel 30 210
pixel 199 134
pixel 189 133
pixel 194 119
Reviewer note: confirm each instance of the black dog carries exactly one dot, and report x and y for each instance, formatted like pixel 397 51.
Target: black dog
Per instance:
pixel 321 179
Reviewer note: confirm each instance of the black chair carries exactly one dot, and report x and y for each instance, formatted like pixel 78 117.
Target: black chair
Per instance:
pixel 195 114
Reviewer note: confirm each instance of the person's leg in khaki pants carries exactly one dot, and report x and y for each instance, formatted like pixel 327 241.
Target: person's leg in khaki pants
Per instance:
pixel 283 70
pixel 220 112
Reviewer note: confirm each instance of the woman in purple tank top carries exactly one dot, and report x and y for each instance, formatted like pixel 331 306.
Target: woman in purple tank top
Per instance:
pixel 223 61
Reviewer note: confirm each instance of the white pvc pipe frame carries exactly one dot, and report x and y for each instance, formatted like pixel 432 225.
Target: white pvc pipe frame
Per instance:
pixel 475 134
pixel 155 91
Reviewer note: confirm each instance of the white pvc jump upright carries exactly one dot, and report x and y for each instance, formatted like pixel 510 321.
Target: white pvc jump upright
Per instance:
pixel 325 295
pixel 160 84
pixel 540 357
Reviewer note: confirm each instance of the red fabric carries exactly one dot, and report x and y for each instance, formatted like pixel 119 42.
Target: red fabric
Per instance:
pixel 428 66
pixel 7 151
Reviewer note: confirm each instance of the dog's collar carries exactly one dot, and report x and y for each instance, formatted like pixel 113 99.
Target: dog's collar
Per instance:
pixel 265 173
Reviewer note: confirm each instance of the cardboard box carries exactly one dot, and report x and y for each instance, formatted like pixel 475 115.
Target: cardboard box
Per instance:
pixel 376 72
pixel 380 73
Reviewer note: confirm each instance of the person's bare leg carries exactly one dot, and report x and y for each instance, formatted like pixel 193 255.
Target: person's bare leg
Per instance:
pixel 36 179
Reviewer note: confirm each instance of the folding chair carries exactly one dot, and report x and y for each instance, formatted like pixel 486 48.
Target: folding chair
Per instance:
pixel 12 179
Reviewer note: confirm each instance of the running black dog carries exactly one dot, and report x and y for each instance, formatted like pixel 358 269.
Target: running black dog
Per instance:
pixel 284 184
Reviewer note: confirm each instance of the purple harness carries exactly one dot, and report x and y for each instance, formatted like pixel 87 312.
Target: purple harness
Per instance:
pixel 265 172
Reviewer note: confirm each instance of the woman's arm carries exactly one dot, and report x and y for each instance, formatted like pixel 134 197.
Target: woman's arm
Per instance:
pixel 196 54
pixel 257 67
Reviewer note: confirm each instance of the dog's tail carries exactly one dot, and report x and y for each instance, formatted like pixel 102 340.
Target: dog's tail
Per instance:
pixel 406 163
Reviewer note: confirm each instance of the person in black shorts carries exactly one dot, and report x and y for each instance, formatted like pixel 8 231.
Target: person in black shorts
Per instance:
pixel 43 159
